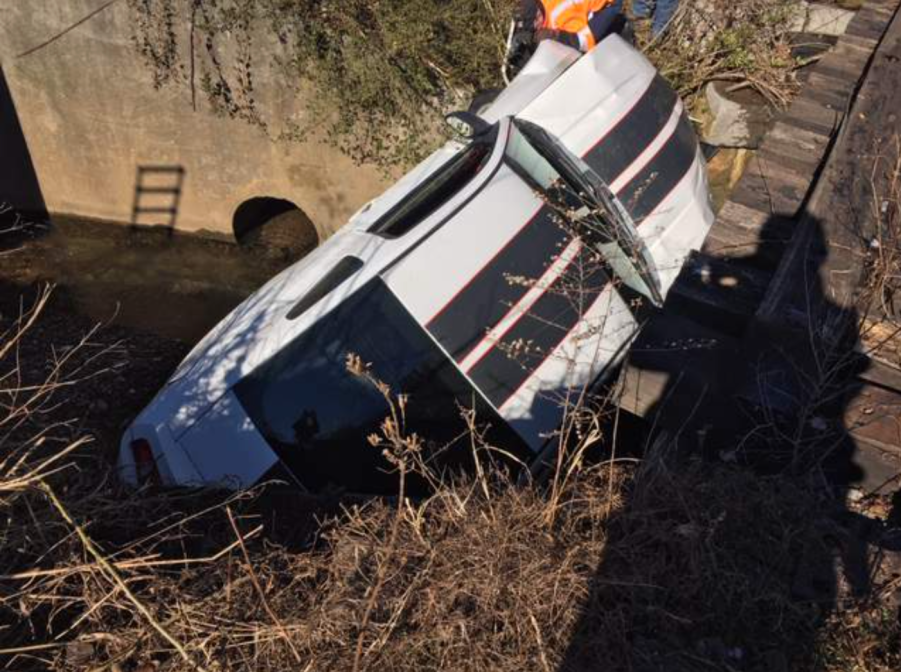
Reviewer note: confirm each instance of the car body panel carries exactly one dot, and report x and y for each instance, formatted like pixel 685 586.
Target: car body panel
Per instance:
pixel 226 447
pixel 549 61
pixel 456 271
pixel 498 294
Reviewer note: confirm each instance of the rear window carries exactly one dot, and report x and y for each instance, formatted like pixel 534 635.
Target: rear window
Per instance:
pixel 437 189
pixel 316 415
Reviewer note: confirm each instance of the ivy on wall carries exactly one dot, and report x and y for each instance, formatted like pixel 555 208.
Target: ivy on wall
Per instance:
pixel 373 77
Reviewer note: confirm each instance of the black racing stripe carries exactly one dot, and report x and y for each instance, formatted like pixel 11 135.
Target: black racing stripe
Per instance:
pixel 552 317
pixel 503 370
pixel 484 302
pixel 488 297
pixel 659 177
pixel 481 304
pixel 635 131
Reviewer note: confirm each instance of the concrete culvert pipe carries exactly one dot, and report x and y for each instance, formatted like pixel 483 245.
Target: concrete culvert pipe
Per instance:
pixel 274 226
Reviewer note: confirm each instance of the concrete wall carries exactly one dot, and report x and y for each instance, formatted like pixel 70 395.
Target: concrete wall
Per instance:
pixel 90 117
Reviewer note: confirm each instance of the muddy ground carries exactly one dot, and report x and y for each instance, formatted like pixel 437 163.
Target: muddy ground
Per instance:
pixel 151 280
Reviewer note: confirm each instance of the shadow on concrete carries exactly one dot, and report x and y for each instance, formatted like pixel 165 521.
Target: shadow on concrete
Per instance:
pixel 158 191
pixel 774 410
pixel 20 189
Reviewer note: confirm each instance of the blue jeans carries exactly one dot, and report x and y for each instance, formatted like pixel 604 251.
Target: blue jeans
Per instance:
pixel 602 22
pixel 663 11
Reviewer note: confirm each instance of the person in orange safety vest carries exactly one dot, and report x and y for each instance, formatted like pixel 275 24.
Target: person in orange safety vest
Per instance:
pixel 580 24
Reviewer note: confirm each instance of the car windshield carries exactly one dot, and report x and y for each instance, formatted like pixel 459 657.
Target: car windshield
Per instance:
pixel 317 416
pixel 437 189
pixel 566 183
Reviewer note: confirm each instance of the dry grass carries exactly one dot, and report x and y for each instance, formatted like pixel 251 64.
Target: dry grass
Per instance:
pixel 880 297
pixel 745 43
pixel 884 272
pixel 655 564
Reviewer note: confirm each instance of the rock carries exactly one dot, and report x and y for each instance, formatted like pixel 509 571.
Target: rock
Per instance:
pixel 827 19
pixel 737 121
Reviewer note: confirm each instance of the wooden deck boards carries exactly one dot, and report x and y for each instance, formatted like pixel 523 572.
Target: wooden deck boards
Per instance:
pixel 756 247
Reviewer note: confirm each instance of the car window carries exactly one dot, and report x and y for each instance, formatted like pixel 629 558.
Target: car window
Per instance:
pixel 568 183
pixel 437 189
pixel 316 415
pixel 535 167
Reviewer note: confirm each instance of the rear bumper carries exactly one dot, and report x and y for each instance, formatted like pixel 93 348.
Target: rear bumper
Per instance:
pixel 173 465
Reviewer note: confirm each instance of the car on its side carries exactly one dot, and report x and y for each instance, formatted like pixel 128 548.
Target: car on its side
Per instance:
pixel 450 286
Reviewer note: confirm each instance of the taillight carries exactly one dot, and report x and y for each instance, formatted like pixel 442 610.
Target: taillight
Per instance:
pixel 145 463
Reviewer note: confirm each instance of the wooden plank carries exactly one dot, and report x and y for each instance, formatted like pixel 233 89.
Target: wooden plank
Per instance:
pixel 796 161
pixel 881 471
pixel 845 62
pixel 866 27
pixel 822 97
pixel 810 115
pixel 672 367
pixel 642 390
pixel 734 235
pixel 842 71
pixel 722 242
pixel 742 216
pixel 881 7
pixel 717 292
pixel 795 148
pixel 761 249
pixel 850 48
pixel 842 86
pixel 780 197
pixel 867 43
pixel 836 92
pixel 884 12
pixel 882 374
pixel 874 414
pixel 780 177
pixel 783 135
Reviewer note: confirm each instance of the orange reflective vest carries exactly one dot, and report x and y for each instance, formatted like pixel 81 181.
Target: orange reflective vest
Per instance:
pixel 571 16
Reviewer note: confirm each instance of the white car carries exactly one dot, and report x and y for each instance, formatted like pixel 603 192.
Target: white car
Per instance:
pixel 429 284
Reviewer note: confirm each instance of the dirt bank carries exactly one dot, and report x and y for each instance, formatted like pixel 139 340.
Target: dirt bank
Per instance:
pixel 175 286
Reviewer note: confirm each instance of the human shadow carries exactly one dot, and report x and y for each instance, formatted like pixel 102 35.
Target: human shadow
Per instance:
pixel 734 543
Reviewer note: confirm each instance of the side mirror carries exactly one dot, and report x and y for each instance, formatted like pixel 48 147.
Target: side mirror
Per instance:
pixel 467 125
